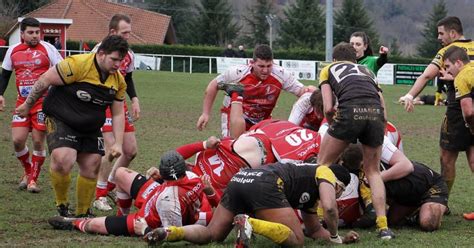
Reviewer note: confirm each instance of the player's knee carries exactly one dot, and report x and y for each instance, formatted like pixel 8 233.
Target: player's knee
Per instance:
pixel 18 143
pixel 38 145
pixel 130 153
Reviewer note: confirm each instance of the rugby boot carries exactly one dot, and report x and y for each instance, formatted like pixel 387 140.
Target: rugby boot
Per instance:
pixel 156 236
pixel 230 88
pixel 63 210
pixel 23 183
pixel 62 223
pixel 33 187
pixel 244 231
pixel 386 234
pixel 102 204
pixel 468 216
pixel 88 214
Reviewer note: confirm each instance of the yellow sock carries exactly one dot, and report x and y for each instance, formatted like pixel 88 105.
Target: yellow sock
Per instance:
pixel 85 189
pixel 381 222
pixel 60 185
pixel 320 212
pixel 438 97
pixel 365 194
pixel 175 233
pixel 276 232
pixel 450 183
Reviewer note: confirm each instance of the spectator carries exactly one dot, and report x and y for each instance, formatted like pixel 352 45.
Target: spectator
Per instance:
pixel 229 52
pixel 240 53
pixel 57 43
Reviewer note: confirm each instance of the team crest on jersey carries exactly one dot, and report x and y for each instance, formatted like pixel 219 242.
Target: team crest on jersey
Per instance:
pixel 41 117
pixel 37 61
pixel 305 197
pixel 83 95
pixel 25 90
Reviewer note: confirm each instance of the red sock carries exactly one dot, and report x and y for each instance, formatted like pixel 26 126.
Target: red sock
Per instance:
pixel 110 186
pixel 124 206
pixel 24 157
pixel 80 224
pixel 37 160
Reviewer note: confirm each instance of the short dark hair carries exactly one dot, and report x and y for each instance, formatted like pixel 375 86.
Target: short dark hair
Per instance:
pixel 344 51
pixel 114 43
pixel 263 52
pixel 451 23
pixel 114 22
pixel 352 157
pixel 316 101
pixel 366 40
pixel 29 22
pixel 454 53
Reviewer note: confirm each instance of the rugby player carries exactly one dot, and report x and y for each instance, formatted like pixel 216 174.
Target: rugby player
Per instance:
pixel 275 191
pixel 307 111
pixel 30 59
pixel 454 135
pixel 174 202
pixel 263 82
pixel 119 25
pixel 82 87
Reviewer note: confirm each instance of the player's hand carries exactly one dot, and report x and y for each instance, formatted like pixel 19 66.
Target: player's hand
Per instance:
pixel 22 110
pixel 350 237
pixel 2 103
pixel 139 226
pixel 407 101
pixel 383 50
pixel 206 180
pixel 444 75
pixel 154 173
pixel 115 151
pixel 135 109
pixel 202 122
pixel 310 88
pixel 212 142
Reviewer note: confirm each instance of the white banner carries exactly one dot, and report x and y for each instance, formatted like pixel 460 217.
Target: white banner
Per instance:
pixel 385 74
pixel 301 69
pixel 146 62
pixel 224 63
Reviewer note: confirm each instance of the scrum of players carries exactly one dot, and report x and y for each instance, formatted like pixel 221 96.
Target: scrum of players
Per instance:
pixel 336 162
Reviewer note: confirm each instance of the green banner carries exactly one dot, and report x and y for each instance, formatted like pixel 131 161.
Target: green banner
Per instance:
pixel 407 74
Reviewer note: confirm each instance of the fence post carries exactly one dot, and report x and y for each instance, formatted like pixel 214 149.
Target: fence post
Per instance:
pixel 172 63
pixel 190 64
pixel 210 65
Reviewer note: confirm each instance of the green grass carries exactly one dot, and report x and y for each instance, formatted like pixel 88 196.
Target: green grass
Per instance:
pixel 171 104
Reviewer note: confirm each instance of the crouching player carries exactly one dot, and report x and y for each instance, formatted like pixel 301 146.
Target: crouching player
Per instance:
pixel 174 202
pixel 276 190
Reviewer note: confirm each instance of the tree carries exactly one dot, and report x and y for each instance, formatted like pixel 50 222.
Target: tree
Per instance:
pixel 11 9
pixel 351 18
pixel 180 11
pixel 257 22
pixel 430 45
pixel 395 48
pixel 213 24
pixel 304 25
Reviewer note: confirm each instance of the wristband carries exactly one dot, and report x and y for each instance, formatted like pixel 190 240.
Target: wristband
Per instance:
pixel 409 97
pixel 336 239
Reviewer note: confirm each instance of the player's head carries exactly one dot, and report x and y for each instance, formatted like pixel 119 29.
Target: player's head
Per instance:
pixel 120 25
pixel 111 52
pixel 361 43
pixel 172 166
pixel 343 178
pixel 454 60
pixel 262 61
pixel 352 158
pixel 316 101
pixel 344 52
pixel 30 31
pixel 449 30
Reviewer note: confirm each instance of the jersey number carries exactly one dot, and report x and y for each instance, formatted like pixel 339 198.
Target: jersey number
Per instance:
pixel 295 139
pixel 345 70
pixel 215 160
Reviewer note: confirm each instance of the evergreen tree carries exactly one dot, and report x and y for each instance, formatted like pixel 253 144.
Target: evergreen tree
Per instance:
pixel 213 24
pixel 180 11
pixel 353 17
pixel 394 48
pixel 430 45
pixel 304 25
pixel 257 22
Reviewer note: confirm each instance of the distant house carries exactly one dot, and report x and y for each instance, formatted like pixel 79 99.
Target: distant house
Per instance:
pixel 90 19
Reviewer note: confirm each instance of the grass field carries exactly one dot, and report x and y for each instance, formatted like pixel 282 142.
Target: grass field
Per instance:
pixel 171 104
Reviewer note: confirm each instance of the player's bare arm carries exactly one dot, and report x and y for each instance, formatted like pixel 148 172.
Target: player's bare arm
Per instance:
pixel 466 107
pixel 209 97
pixel 50 77
pixel 328 106
pixel 430 72
pixel 327 196
pixel 400 166
pixel 118 123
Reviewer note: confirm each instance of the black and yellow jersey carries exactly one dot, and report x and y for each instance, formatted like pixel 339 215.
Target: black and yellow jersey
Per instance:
pixel 350 81
pixel 464 82
pixel 82 100
pixel 438 60
pixel 300 183
pixel 409 190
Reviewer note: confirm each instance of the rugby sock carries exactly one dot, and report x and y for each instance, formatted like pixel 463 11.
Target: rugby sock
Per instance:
pixel 276 232
pixel 110 185
pixel 24 157
pixel 81 224
pixel 438 97
pixel 100 189
pixel 124 203
pixel 85 188
pixel 60 185
pixel 37 160
pixel 450 183
pixel 175 233
pixel 381 222
pixel 235 98
pixel 365 194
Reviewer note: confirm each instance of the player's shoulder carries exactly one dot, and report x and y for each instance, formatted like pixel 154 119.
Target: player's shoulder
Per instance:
pixel 234 73
pixel 81 61
pixel 280 72
pixel 17 47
